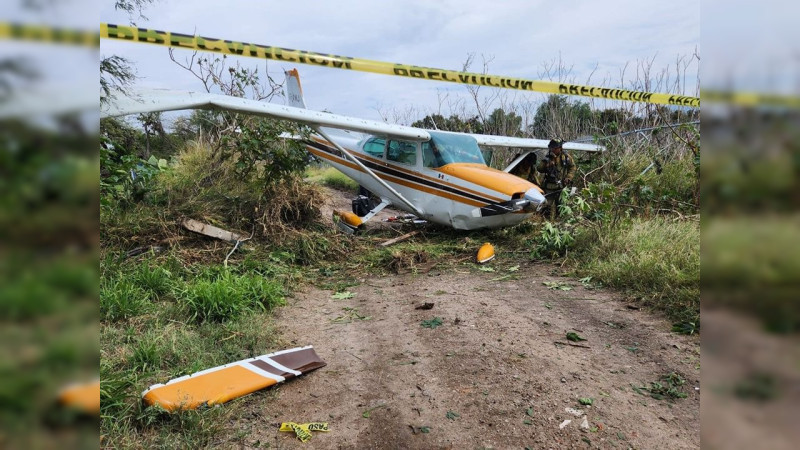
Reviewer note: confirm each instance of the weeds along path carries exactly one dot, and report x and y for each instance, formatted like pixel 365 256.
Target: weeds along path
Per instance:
pixel 491 375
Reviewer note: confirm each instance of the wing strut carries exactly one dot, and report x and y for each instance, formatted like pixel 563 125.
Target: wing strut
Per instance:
pixel 368 171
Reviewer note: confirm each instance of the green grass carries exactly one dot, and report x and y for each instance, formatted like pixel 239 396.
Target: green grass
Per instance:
pixel 179 312
pixel 163 318
pixel 226 296
pixel 330 177
pixel 155 279
pixel 657 260
pixel 749 264
pixel 122 299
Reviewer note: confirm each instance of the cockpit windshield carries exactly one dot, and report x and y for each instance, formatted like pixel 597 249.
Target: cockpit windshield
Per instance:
pixel 446 148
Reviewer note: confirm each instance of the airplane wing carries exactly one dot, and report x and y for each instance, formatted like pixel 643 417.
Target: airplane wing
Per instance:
pixel 503 141
pixel 141 101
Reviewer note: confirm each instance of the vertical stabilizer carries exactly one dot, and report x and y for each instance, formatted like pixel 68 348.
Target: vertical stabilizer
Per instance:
pixel 294 92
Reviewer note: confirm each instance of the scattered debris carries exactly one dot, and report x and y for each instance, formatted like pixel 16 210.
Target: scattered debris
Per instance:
pixel 586 401
pixel 668 386
pixel 452 415
pixel 366 414
pixel 557 285
pixel 485 253
pixel 585 423
pixel 139 250
pixel 406 363
pixel 757 386
pixel 557 343
pixel 527 422
pixel 303 430
pixel 486 269
pixel 634 307
pixel 234 380
pixel 423 429
pixel 529 411
pixel 564 424
pixel 574 412
pixel 398 239
pixel 513 268
pixel 425 268
pixel 574 337
pixel 343 295
pixel 504 277
pixel 425 306
pixel 633 348
pixel 210 230
pixel 687 328
pixel 350 315
pixel 83 397
pixel 432 323
pixel 405 260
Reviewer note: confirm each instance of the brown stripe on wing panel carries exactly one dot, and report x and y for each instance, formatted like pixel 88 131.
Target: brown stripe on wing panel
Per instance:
pixel 303 360
pixel 269 369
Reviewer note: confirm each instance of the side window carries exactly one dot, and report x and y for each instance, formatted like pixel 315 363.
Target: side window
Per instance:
pixel 402 152
pixel 430 156
pixel 374 147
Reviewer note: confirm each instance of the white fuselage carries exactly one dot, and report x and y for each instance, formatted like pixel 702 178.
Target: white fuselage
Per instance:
pixel 439 193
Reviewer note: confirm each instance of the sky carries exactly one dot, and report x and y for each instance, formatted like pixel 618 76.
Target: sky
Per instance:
pixel 743 45
pixel 519 38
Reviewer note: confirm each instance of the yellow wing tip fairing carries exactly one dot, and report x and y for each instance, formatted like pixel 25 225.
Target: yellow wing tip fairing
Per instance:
pixel 485 253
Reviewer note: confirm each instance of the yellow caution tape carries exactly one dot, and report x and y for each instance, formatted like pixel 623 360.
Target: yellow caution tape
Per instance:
pixel 750 99
pixel 303 430
pixel 44 33
pixel 192 42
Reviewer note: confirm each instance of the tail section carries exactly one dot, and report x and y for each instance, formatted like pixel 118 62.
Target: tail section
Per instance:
pixel 294 92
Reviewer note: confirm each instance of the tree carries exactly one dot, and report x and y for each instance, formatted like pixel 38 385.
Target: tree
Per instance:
pixel 116 72
pixel 503 124
pixel 452 123
pixel 557 117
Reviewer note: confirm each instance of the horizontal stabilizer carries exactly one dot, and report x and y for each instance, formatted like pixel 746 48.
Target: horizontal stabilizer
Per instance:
pixel 223 383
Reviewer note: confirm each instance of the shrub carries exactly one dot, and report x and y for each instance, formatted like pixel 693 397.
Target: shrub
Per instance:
pixel 656 259
pixel 226 296
pixel 157 280
pixel 121 299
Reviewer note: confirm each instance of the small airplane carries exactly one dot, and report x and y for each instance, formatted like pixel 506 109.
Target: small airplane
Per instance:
pixel 438 176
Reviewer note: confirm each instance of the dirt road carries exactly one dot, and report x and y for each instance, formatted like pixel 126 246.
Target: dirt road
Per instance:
pixel 491 375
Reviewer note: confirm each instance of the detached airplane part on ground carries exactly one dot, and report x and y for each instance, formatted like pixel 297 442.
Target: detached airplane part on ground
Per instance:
pixel 224 383
pixel 439 176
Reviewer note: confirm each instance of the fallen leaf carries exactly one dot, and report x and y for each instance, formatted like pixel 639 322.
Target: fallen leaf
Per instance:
pixel 574 337
pixel 343 295
pixel 432 323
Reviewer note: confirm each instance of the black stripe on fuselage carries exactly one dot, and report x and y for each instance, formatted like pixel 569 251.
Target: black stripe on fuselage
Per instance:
pixel 388 170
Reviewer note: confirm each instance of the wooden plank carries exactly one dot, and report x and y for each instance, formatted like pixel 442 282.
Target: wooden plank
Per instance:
pixel 210 230
pixel 398 239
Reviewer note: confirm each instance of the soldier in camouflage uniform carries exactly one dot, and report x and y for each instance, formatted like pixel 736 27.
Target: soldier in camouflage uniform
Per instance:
pixel 558 169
